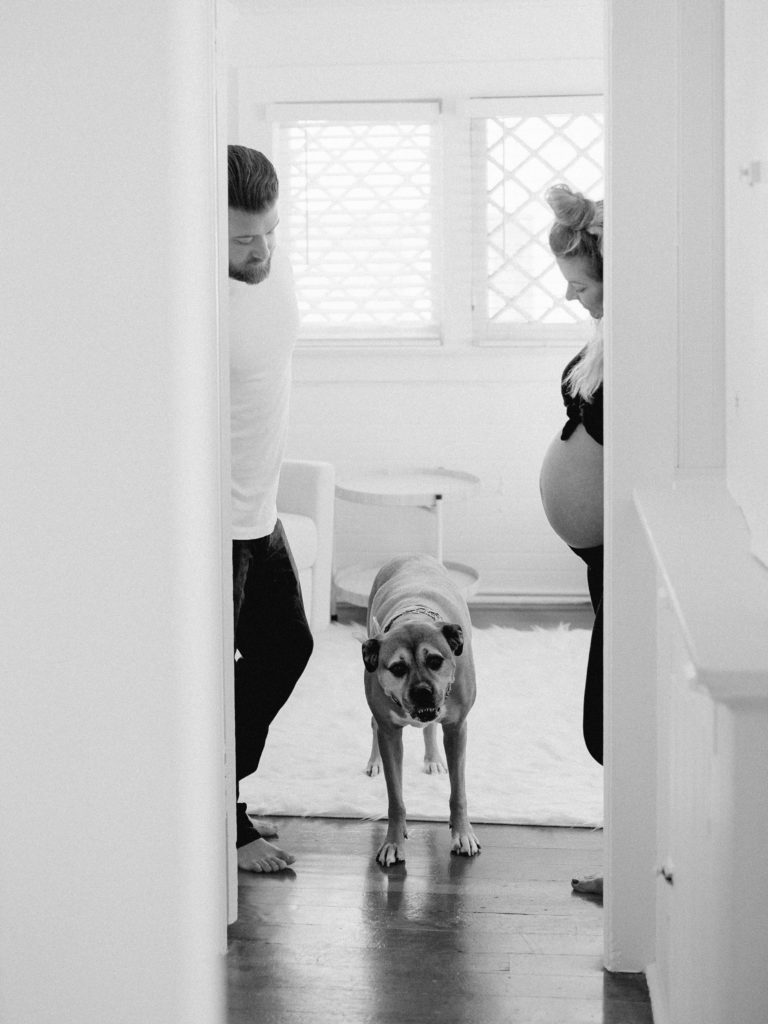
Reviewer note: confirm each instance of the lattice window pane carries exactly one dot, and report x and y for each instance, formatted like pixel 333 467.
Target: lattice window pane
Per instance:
pixel 357 201
pixel 523 155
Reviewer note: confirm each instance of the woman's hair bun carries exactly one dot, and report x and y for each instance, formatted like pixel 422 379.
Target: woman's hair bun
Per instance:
pixel 573 209
pixel 575 215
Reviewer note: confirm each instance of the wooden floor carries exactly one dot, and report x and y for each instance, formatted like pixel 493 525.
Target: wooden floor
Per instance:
pixel 495 939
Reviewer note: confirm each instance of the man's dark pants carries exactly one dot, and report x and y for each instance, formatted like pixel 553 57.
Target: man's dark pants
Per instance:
pixel 274 641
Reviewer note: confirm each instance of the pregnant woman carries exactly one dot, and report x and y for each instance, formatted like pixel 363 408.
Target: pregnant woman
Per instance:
pixel 572 472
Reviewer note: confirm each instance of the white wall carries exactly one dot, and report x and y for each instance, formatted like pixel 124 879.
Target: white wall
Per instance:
pixel 747 258
pixel 491 412
pixel 112 856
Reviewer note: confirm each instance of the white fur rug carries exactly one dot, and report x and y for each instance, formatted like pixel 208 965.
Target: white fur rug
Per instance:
pixel 526 759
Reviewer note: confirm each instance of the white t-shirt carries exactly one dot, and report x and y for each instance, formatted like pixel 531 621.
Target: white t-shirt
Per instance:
pixel 263 325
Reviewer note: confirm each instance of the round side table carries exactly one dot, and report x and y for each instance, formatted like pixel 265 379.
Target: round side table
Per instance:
pixel 421 488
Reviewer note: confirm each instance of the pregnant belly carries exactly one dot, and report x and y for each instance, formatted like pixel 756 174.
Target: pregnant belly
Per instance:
pixel 571 484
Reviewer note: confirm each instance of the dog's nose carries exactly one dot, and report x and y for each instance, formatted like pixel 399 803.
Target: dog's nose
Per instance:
pixel 422 695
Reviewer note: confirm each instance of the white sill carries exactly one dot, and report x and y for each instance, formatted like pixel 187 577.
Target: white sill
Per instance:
pixel 717 588
pixel 395 363
pixel 542 338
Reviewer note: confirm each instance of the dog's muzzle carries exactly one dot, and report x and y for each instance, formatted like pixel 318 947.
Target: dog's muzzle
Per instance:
pixel 424 707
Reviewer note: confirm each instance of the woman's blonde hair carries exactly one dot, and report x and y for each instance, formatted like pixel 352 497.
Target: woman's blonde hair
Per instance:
pixel 578 231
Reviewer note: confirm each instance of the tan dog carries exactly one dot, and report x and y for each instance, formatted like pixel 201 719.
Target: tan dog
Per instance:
pixel 419 671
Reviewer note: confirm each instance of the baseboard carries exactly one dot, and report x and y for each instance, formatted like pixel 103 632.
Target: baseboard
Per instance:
pixel 494 601
pixel 490 599
pixel 657 996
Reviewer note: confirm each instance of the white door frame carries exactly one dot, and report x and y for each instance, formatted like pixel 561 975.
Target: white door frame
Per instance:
pixel 665 386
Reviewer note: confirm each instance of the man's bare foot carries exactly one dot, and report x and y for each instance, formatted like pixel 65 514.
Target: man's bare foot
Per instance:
pixel 591 885
pixel 266 829
pixel 263 857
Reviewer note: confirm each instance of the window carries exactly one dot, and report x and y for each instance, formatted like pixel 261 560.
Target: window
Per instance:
pixel 363 217
pixel 358 201
pixel 519 149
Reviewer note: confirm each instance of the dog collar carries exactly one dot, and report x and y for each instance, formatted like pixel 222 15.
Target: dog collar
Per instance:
pixel 416 609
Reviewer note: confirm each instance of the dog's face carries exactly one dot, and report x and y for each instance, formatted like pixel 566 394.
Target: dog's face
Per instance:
pixel 415 664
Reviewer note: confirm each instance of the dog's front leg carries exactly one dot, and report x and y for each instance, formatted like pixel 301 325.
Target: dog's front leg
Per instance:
pixel 391 748
pixel 464 839
pixel 433 759
pixel 374 761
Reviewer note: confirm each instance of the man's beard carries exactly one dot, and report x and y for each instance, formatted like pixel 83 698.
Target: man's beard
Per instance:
pixel 251 273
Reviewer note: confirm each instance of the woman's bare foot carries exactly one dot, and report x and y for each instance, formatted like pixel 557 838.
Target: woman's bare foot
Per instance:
pixel 261 856
pixel 591 885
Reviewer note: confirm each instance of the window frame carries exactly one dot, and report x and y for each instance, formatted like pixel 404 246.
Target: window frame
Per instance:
pixel 485 333
pixel 428 111
pixel 458 204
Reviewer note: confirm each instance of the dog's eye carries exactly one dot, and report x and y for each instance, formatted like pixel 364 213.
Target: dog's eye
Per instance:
pixel 434 662
pixel 399 669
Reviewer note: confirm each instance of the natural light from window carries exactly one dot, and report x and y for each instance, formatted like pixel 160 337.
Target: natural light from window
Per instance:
pixel 372 242
pixel 522 157
pixel 359 204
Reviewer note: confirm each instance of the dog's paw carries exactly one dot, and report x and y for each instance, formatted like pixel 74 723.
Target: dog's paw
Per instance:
pixel 390 853
pixel 435 766
pixel 465 843
pixel 373 768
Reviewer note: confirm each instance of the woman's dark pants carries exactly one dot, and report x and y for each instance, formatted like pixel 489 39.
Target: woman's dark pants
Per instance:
pixel 593 691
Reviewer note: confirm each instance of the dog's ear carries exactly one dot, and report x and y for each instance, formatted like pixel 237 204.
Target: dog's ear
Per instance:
pixel 455 637
pixel 371 654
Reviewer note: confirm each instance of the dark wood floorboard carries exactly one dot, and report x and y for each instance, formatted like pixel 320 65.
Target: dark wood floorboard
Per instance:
pixel 496 939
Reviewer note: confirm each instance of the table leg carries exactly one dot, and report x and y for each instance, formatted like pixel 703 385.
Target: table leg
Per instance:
pixel 439 518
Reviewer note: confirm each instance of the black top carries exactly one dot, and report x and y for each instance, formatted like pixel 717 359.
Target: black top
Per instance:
pixel 582 410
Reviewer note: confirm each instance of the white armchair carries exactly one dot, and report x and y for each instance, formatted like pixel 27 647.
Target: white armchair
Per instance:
pixel 305 505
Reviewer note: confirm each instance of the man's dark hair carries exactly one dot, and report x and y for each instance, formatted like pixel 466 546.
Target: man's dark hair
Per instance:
pixel 253 185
